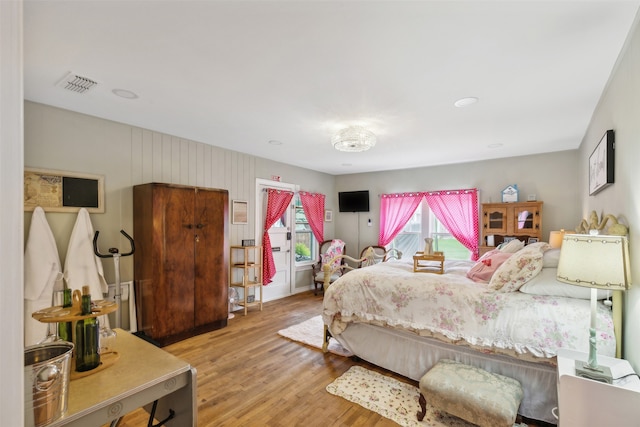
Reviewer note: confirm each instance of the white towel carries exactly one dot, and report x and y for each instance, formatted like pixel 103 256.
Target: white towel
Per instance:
pixel 82 266
pixel 42 269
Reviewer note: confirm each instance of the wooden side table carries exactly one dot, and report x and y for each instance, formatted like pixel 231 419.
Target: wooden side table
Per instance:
pixel 428 263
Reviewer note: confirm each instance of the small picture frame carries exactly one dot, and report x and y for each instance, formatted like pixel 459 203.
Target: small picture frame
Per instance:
pixel 532 240
pixel 508 239
pixel 601 164
pixel 328 215
pixel 240 212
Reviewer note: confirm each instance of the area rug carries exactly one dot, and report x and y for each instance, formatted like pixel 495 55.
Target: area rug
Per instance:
pixel 311 332
pixel 390 398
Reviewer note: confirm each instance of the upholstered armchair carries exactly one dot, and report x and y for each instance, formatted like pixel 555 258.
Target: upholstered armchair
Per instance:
pixel 328 250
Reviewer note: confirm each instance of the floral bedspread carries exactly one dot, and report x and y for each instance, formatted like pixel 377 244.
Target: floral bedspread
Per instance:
pixel 455 309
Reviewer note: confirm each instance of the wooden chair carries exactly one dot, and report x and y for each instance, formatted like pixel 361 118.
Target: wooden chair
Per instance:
pixel 328 250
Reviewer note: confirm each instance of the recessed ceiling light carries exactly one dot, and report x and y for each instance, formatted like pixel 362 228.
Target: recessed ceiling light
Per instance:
pixel 275 142
pixel 123 93
pixel 465 102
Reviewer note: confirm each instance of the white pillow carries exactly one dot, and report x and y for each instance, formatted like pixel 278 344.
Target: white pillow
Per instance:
pixel 512 247
pixel 546 283
pixel 550 258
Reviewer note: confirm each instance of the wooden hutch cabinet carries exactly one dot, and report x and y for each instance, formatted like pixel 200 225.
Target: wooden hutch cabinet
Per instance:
pixel 522 220
pixel 181 258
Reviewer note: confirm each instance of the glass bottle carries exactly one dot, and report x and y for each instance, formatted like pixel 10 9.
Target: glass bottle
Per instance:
pixel 65 330
pixel 87 337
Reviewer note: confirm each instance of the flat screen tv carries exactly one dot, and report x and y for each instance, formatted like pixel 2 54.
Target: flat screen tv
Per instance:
pixel 353 201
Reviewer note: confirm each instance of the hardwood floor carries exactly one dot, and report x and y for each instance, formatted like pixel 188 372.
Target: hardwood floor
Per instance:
pixel 248 375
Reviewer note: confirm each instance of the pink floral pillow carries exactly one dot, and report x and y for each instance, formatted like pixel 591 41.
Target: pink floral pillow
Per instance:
pixel 487 265
pixel 335 249
pixel 520 268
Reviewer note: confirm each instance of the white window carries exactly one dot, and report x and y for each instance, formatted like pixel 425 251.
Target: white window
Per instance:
pixel 306 245
pixel 424 224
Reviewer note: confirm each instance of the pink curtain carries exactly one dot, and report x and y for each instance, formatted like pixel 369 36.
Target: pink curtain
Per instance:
pixel 277 203
pixel 458 211
pixel 313 206
pixel 395 211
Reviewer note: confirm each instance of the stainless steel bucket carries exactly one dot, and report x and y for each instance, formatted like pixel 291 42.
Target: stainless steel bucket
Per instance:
pixel 46 382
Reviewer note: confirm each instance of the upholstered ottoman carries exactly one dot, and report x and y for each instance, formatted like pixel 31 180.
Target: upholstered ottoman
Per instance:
pixel 470 393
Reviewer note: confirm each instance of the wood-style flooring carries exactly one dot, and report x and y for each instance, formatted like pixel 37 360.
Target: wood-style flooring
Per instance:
pixel 248 375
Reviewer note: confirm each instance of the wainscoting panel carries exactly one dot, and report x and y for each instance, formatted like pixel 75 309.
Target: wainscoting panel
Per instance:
pixel 157 157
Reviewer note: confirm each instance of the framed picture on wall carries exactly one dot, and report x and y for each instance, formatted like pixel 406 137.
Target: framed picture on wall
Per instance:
pixel 240 212
pixel 61 191
pixel 601 164
pixel 328 215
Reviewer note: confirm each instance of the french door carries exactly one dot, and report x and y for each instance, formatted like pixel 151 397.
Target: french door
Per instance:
pixel 280 235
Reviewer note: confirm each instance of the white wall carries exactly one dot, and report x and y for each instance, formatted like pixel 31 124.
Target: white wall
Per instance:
pixel 11 226
pixel 619 109
pixel 552 177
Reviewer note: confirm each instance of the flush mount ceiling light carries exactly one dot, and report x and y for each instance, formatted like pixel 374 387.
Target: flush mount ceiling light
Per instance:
pixel 465 102
pixel 124 93
pixel 353 139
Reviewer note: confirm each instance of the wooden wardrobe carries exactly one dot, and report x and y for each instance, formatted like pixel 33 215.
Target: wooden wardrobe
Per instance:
pixel 180 262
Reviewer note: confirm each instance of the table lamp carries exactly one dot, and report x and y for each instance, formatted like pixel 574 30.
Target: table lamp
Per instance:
pixel 596 262
pixel 555 238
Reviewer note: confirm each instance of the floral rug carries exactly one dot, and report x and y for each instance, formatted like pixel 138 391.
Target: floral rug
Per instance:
pixel 390 398
pixel 311 332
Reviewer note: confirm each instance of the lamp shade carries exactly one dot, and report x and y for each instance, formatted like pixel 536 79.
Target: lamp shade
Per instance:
pixel 354 139
pixel 595 261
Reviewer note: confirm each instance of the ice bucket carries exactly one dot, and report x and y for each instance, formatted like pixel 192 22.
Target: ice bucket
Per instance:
pixel 46 382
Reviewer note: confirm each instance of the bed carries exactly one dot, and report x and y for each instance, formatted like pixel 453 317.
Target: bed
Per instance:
pixel 509 321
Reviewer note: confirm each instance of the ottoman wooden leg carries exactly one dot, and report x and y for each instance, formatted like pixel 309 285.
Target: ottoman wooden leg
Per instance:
pixel 423 407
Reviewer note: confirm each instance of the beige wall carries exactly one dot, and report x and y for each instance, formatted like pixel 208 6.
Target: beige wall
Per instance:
pixel 619 109
pixel 552 177
pixel 126 156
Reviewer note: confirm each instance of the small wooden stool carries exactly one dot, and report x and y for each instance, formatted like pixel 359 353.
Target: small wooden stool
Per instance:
pixel 470 393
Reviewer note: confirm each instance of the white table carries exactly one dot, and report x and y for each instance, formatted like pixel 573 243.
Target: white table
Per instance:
pixel 143 373
pixel 585 402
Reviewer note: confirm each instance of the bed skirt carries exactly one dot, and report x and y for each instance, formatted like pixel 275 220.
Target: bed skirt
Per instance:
pixel 412 356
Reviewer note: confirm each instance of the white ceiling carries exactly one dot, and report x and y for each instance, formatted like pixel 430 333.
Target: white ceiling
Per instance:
pixel 238 74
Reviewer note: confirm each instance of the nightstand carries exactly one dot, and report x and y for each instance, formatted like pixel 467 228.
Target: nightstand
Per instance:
pixel 585 402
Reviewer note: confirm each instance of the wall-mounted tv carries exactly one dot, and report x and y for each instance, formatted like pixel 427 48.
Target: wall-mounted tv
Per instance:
pixel 353 201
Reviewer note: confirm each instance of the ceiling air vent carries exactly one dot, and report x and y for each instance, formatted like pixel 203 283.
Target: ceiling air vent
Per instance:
pixel 76 83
